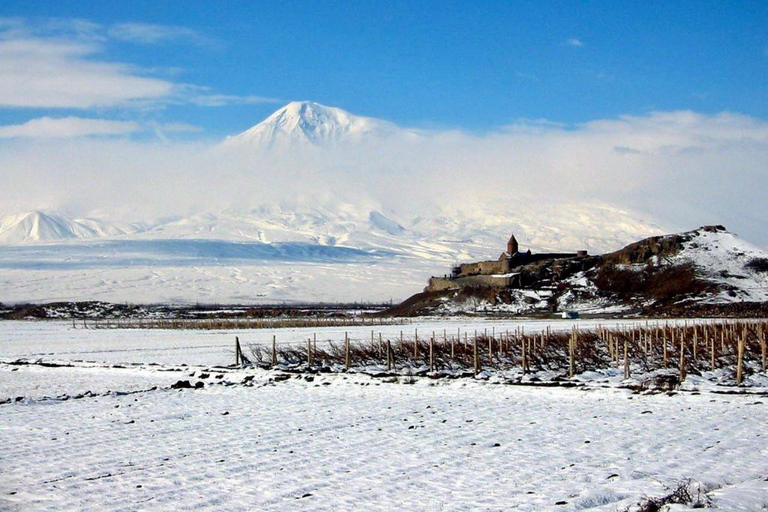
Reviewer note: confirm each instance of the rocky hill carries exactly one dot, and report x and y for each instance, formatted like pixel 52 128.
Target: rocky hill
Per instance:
pixel 705 271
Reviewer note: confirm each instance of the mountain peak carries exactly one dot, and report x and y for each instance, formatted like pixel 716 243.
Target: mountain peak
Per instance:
pixel 307 123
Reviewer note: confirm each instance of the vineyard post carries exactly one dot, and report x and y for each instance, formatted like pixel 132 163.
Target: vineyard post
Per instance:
pixel 431 354
pixel 416 344
pixel 682 357
pixel 237 351
pixel 490 351
pixel 522 354
pixel 390 356
pixel 476 360
pixel 740 363
pixel 309 352
pixel 346 351
pixel 571 350
pixel 695 342
pixel 722 340
pixel 626 360
pixel 762 346
pixel 274 350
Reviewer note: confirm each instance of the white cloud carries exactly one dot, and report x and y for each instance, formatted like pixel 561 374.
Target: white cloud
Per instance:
pixel 62 63
pixel 681 169
pixel 61 74
pixel 202 96
pixel 574 41
pixel 146 33
pixel 67 128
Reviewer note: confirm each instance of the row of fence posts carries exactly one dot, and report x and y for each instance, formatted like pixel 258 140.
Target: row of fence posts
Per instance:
pixel 646 338
pixel 525 344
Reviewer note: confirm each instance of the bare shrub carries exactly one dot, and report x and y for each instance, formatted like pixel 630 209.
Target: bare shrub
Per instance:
pixel 758 265
pixel 686 492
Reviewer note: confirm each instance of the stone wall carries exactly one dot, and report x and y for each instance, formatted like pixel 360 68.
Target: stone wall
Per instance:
pixel 484 268
pixel 437 284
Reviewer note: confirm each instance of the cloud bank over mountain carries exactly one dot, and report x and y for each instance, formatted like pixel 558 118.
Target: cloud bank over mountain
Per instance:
pixel 680 169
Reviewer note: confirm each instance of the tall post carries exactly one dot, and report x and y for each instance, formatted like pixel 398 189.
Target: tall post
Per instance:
pixel 740 363
pixel 523 355
pixel 431 354
pixel 490 351
pixel 274 350
pixel 571 350
pixel 682 358
pixel 238 358
pixel 476 359
pixel 762 346
pixel 346 351
pixel 390 356
pixel 416 344
pixel 309 351
pixel 626 360
pixel 695 343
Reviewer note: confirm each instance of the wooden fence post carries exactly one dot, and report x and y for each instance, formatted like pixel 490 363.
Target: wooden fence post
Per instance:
pixel 476 359
pixel 762 346
pixel 390 355
pixel 347 360
pixel 682 358
pixel 695 343
pixel 238 358
pixel 490 349
pixel 523 355
pixel 626 360
pixel 416 344
pixel 740 362
pixel 431 354
pixel 571 350
pixel 274 350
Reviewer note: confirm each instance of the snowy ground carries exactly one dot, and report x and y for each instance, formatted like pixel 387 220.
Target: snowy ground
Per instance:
pixel 250 441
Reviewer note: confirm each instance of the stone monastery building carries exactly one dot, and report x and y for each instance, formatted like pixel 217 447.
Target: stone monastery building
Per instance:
pixel 500 273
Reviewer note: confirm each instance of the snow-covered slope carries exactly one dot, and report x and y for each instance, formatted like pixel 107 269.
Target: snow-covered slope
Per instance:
pixel 329 252
pixel 306 123
pixel 42 227
pixel 700 271
pixel 737 267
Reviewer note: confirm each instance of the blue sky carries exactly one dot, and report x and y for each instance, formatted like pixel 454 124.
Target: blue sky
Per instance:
pixel 221 67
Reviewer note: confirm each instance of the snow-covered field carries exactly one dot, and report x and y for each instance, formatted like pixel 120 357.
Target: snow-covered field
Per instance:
pixel 107 432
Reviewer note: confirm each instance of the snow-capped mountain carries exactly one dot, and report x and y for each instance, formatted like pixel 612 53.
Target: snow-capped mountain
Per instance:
pixel 306 123
pixel 37 226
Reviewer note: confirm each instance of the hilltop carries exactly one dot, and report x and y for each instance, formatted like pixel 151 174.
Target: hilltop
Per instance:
pixel 705 271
